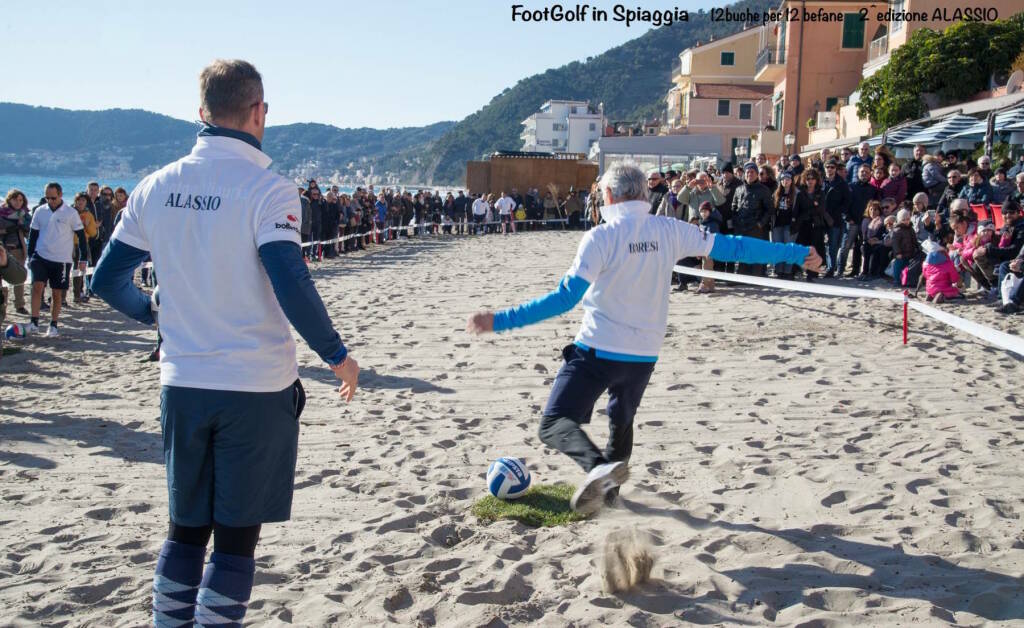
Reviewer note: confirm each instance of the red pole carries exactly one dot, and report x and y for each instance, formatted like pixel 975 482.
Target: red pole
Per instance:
pixel 906 301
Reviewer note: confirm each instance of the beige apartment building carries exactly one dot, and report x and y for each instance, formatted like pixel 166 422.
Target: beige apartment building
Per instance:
pixel 714 93
pixel 815 67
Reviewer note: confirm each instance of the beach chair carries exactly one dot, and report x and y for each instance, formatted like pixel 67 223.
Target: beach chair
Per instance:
pixel 985 212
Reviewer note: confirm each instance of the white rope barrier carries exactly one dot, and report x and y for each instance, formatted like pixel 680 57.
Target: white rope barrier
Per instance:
pixel 375 232
pixel 1003 340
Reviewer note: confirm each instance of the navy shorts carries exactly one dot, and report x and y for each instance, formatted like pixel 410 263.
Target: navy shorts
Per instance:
pixel 230 455
pixel 57 274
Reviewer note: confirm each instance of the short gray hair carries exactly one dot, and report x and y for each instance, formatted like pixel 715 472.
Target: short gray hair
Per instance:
pixel 958 203
pixel 625 181
pixel 228 89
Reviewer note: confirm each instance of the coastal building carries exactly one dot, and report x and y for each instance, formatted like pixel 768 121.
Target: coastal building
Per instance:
pixel 816 66
pixel 562 126
pixel 715 92
pixel 812 66
pixel 505 170
pixel 658 151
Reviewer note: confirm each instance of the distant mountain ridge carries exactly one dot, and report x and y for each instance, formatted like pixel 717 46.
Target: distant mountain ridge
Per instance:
pixel 631 80
pixel 45 140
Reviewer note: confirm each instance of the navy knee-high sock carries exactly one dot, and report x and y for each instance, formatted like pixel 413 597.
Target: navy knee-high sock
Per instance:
pixel 225 589
pixel 178 572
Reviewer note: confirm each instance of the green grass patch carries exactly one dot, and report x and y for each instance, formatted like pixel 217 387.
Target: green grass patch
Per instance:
pixel 543 506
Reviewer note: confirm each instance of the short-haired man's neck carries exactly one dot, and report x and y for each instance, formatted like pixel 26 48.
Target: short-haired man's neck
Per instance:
pixel 254 124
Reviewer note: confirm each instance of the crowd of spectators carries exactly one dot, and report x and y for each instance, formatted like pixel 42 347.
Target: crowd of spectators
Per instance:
pixel 953 227
pixel 332 223
pixel 337 223
pixel 933 221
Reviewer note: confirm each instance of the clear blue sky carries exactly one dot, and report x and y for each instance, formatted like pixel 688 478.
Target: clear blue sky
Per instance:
pixel 377 63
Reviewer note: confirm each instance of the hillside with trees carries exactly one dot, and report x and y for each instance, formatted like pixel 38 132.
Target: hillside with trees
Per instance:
pixel 631 80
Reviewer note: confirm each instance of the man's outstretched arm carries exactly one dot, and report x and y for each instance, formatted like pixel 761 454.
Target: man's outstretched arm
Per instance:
pixel 563 298
pixel 727 248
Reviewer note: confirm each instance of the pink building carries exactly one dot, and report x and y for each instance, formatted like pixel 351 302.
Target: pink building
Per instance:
pixel 734 112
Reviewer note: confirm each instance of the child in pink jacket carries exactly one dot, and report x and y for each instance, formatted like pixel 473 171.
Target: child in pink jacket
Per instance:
pixel 941 278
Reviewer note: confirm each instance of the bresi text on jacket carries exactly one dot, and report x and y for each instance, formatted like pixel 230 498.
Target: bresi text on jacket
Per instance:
pixel 643 247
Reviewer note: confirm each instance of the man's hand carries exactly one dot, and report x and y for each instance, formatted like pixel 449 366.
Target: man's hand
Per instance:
pixel 348 373
pixel 481 323
pixel 1016 265
pixel 813 261
pixel 3 256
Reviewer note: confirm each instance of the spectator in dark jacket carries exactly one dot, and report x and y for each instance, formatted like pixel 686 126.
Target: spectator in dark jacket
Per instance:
pixel 656 190
pixel 863 156
pixel 904 245
pixel 836 196
pixel 751 212
pixel 1017 168
pixel 861 193
pixel 796 167
pixel 954 184
pixel 977 191
pixel 1002 187
pixel 874 251
pixel 989 257
pixel 305 224
pixel 913 172
pixel 782 221
pixel 317 208
pixel 810 214
pixel 727 186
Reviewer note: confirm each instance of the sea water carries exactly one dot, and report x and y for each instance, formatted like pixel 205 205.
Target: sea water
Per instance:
pixel 34 186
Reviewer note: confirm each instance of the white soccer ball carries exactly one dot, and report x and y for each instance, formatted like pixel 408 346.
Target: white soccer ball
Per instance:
pixel 14 331
pixel 508 478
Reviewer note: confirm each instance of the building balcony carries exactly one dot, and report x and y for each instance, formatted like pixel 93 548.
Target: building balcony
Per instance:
pixel 767 142
pixel 826 120
pixel 820 136
pixel 878 56
pixel 770 64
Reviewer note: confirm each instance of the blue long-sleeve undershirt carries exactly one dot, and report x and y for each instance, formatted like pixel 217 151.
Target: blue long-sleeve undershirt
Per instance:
pixel 300 301
pixel 569 292
pixel 112 281
pixel 285 267
pixel 728 248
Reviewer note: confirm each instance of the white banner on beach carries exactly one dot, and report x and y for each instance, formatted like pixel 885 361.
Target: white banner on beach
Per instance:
pixel 1003 340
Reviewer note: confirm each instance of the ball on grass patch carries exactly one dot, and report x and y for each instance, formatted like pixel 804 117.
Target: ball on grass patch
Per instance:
pixel 508 478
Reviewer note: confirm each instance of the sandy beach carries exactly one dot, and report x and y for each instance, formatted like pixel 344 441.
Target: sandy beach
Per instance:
pixel 794 463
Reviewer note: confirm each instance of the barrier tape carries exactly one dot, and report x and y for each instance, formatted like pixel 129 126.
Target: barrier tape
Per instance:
pixel 429 224
pixel 1003 340
pixel 375 232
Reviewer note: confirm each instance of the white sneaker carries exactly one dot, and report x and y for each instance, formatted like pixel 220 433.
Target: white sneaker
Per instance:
pixel 589 497
pixel 52 332
pixel 32 328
